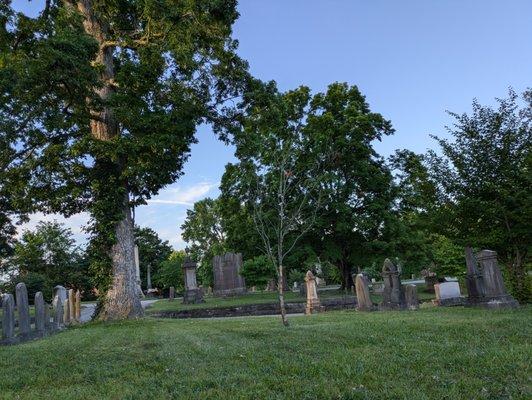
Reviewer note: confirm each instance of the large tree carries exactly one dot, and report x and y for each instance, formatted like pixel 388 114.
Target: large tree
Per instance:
pixel 101 99
pixel 484 173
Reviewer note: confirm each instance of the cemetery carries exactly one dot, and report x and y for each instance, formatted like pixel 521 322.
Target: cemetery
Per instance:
pixel 281 199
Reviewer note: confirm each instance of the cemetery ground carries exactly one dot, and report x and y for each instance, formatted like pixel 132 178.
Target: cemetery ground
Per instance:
pixel 436 352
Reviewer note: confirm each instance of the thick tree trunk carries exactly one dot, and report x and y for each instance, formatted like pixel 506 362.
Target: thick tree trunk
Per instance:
pixel 280 288
pixel 122 300
pixel 347 278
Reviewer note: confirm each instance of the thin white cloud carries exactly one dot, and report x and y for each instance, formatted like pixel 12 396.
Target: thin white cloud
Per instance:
pixel 185 197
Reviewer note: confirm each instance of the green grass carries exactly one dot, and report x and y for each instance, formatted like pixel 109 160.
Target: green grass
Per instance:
pixel 258 298
pixel 436 353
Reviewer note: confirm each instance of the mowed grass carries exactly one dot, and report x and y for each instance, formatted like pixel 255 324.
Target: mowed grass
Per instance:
pixel 436 353
pixel 260 298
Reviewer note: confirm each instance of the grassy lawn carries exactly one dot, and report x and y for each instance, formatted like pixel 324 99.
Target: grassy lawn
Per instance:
pixel 258 298
pixel 451 353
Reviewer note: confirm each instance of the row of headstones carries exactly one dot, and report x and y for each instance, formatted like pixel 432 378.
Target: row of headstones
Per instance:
pixel 64 313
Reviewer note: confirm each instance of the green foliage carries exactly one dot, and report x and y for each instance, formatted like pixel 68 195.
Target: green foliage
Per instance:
pixel 152 252
pixel 100 143
pixel 486 185
pixel 170 271
pixel 47 257
pixel 448 257
pixel 258 271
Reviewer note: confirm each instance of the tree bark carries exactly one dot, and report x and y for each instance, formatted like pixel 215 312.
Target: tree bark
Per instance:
pixel 280 288
pixel 122 300
pixel 347 278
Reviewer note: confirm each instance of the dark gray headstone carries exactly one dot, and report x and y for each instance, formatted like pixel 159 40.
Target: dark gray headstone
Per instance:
pixel 8 317
pixel 393 297
pixel 48 326
pixel 227 278
pixel 40 318
pixel 484 281
pixel 23 309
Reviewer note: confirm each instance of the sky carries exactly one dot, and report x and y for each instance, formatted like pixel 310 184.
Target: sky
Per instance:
pixel 412 59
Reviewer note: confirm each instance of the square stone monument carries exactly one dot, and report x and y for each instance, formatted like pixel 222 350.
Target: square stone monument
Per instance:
pixel 484 281
pixel 227 278
pixel 193 294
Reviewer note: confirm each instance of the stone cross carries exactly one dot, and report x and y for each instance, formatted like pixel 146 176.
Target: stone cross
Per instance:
pixel 40 317
pixel 8 317
pixel 23 308
pixel 313 302
pixel 411 299
pixel 362 291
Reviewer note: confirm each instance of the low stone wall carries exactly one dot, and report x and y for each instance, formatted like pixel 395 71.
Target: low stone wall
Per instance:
pixel 255 309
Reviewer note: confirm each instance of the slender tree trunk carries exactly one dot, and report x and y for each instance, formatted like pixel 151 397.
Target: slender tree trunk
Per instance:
pixel 280 288
pixel 122 300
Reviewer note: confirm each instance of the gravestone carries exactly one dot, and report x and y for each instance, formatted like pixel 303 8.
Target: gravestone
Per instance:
pixel 48 326
pixel 393 297
pixel 8 318
pixel 40 317
pixel 271 286
pixel 77 306
pixel 58 313
pixel 61 292
pixel 227 278
pixel 72 305
pixel 484 281
pixel 448 294
pixel 362 291
pixel 66 312
pixel 411 299
pixel 171 293
pixel 193 294
pixel 23 309
pixel 313 302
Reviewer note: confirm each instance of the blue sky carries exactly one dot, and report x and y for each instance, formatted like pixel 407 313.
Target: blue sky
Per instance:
pixel 413 59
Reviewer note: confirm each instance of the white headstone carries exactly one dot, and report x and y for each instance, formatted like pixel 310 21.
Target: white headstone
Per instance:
pixel 447 290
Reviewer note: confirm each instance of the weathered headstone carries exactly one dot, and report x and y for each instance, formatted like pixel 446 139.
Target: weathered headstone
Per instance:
pixel 411 299
pixel 48 326
pixel 364 302
pixel 313 301
pixel 227 278
pixel 171 293
pixel 61 292
pixel 8 318
pixel 484 281
pixel 66 312
pixel 271 286
pixel 430 278
pixel 58 313
pixel 193 294
pixel 40 317
pixel 77 306
pixel 72 305
pixel 393 297
pixel 448 294
pixel 23 309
